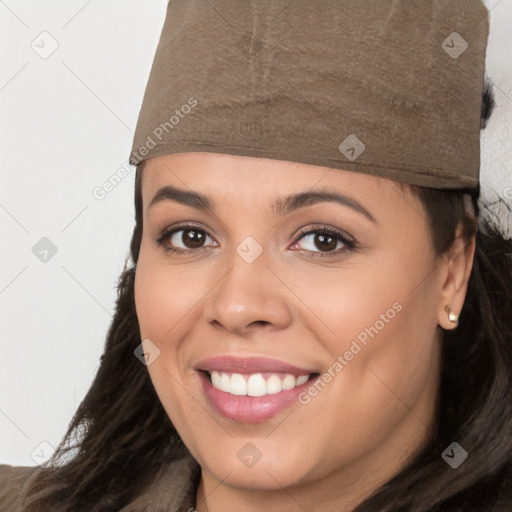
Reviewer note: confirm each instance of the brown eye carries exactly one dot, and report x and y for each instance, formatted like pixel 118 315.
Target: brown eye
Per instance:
pixel 316 241
pixel 192 238
pixel 184 239
pixel 323 241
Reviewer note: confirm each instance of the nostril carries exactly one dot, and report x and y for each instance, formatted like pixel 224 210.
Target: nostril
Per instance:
pixel 261 322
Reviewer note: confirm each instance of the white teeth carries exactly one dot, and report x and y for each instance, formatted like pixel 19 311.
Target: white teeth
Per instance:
pixel 273 385
pixel 217 380
pixel 255 384
pixel 237 385
pixel 302 379
pixel 225 379
pixel 288 382
pixel 221 381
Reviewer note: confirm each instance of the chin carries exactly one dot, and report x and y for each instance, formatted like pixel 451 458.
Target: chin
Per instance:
pixel 234 466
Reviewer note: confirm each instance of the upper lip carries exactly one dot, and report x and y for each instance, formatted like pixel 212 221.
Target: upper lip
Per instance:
pixel 246 365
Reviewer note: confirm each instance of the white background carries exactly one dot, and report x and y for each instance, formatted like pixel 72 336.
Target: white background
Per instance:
pixel 66 125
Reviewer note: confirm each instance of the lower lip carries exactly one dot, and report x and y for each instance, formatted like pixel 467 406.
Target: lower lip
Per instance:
pixel 250 409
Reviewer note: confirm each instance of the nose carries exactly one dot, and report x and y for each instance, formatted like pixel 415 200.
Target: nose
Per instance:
pixel 248 297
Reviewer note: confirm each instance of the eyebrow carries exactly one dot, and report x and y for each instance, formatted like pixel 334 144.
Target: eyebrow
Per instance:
pixel 281 207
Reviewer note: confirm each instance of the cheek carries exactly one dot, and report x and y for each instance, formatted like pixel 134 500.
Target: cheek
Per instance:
pixel 165 300
pixel 165 297
pixel 378 322
pixel 382 349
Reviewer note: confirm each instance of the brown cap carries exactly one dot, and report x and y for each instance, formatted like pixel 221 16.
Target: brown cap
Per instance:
pixel 391 88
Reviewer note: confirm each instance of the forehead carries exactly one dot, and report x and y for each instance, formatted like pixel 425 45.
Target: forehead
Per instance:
pixel 221 174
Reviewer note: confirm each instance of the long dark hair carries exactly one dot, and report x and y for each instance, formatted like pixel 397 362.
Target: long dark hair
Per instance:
pixel 120 436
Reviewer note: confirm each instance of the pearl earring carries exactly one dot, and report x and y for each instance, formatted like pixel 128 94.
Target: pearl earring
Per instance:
pixel 451 315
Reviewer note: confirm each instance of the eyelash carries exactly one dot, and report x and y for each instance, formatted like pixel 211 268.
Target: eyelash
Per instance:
pixel 347 241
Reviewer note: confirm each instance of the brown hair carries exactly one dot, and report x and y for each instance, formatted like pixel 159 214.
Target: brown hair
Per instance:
pixel 120 435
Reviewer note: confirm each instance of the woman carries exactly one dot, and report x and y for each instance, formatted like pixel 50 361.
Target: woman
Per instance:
pixel 313 319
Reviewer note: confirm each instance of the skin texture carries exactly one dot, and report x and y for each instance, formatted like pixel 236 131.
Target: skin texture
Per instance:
pixel 374 414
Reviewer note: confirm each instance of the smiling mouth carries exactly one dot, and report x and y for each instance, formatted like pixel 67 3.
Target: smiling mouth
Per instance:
pixel 256 384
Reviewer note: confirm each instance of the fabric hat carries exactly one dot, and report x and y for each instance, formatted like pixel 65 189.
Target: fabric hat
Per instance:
pixel 391 88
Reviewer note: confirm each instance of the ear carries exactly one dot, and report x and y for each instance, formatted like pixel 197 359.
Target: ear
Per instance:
pixel 458 262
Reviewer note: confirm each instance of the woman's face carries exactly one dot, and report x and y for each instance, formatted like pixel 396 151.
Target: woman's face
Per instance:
pixel 264 294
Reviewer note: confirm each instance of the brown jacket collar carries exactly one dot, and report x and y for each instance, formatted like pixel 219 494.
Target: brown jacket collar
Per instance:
pixel 173 490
